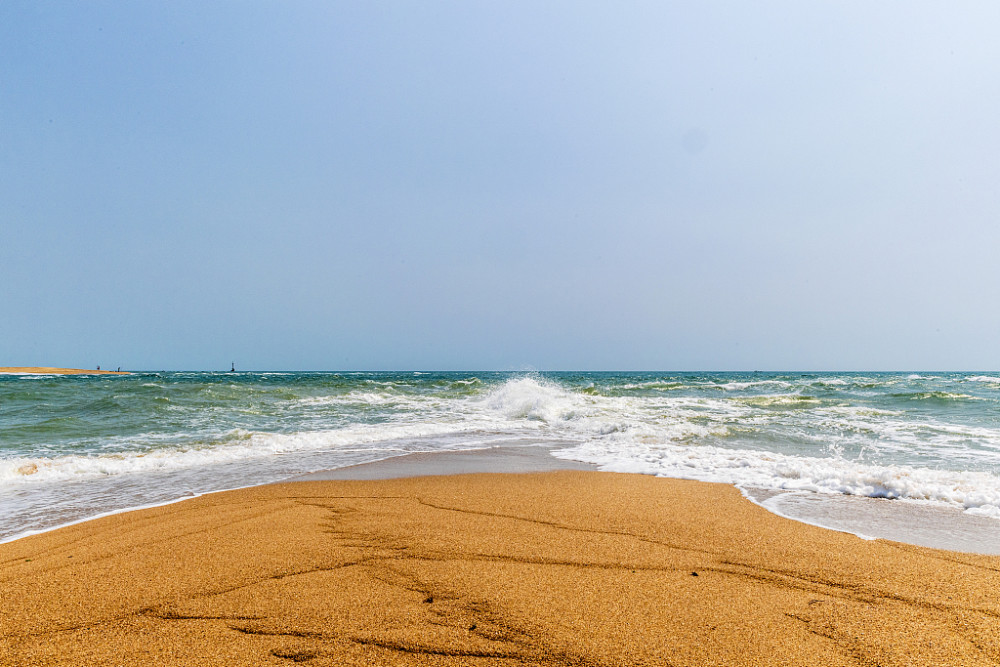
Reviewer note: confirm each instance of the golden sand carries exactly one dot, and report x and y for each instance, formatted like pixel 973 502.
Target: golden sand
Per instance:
pixel 46 370
pixel 559 568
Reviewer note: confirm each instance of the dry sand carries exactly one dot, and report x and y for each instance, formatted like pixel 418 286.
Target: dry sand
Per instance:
pixel 557 568
pixel 47 370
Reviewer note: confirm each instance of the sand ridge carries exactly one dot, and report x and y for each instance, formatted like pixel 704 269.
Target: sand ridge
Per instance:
pixel 556 568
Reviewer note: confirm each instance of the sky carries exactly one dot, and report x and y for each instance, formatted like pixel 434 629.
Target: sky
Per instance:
pixel 500 185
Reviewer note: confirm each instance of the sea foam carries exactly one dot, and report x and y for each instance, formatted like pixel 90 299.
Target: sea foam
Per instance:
pixel 976 492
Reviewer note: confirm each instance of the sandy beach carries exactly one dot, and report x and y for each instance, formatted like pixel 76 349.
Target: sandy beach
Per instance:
pixel 49 370
pixel 554 568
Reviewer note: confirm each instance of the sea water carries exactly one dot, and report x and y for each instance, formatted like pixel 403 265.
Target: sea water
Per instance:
pixel 73 447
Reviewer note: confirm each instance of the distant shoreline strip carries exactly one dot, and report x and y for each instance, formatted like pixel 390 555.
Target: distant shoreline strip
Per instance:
pixel 45 370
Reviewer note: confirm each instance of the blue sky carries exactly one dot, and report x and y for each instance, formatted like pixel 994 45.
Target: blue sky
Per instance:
pixel 477 185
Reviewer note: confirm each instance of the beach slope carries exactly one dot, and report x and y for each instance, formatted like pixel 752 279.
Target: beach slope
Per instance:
pixel 556 568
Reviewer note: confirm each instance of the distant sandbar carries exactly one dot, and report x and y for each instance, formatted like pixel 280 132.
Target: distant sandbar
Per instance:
pixel 45 370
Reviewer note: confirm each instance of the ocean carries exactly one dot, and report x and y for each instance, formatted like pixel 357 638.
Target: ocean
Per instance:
pixel 75 447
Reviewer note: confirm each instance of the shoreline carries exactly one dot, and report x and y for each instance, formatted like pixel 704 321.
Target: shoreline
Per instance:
pixel 912 522
pixel 46 370
pixel 908 522
pixel 560 567
pixel 498 459
pixel 162 436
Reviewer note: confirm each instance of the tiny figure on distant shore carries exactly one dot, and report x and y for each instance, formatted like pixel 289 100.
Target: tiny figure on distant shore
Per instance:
pixel 98 368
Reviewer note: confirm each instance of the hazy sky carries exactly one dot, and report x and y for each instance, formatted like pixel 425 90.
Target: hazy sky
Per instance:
pixel 476 185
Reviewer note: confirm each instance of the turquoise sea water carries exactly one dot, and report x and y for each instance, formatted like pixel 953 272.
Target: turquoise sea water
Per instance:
pixel 72 447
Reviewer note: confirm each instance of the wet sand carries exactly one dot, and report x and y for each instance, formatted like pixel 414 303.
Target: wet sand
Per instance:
pixel 925 524
pixel 46 370
pixel 875 518
pixel 502 459
pixel 554 568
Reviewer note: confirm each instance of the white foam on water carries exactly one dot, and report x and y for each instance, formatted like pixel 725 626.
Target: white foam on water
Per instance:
pixel 778 400
pixel 892 431
pixel 533 399
pixel 831 382
pixel 739 386
pixel 988 379
pixel 940 395
pixel 356 397
pixel 27 533
pixel 976 492
pixel 518 405
pixel 656 385
pixel 239 446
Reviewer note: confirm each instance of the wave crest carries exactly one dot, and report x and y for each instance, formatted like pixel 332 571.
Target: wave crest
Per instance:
pixel 534 399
